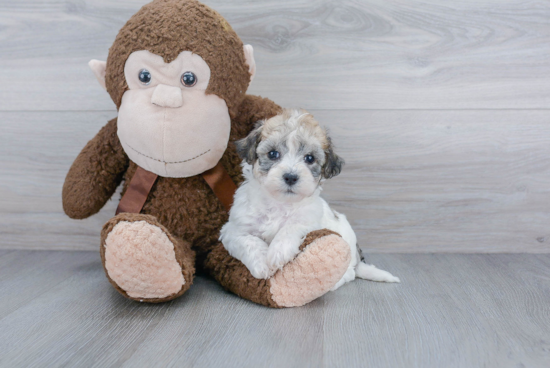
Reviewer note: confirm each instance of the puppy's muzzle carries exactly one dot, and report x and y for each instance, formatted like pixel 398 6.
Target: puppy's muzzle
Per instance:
pixel 290 179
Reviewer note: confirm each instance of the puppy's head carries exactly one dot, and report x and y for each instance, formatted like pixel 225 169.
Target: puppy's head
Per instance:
pixel 290 154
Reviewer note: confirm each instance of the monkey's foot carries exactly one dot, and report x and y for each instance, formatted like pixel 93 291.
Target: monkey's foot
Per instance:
pixel 143 261
pixel 323 260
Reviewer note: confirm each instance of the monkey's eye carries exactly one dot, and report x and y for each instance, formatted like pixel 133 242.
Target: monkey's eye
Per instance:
pixel 144 76
pixel 309 159
pixel 188 79
pixel 273 155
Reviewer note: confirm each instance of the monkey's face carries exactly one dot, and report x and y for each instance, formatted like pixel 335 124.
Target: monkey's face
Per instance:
pixel 167 124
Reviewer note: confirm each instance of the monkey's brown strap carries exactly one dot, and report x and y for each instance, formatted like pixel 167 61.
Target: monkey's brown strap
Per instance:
pixel 141 183
pixel 137 192
pixel 221 184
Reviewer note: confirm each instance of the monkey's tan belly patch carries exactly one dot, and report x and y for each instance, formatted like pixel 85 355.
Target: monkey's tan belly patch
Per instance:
pixel 314 271
pixel 141 259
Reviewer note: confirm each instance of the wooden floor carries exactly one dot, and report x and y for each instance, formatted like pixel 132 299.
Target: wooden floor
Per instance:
pixel 450 310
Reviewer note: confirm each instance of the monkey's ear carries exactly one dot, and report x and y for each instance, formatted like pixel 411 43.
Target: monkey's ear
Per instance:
pixel 333 163
pixel 249 57
pixel 246 147
pixel 99 68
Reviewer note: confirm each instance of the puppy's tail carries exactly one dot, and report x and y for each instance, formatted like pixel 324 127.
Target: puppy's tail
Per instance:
pixel 370 272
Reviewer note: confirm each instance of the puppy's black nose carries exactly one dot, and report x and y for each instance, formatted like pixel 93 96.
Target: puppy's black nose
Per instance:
pixel 290 179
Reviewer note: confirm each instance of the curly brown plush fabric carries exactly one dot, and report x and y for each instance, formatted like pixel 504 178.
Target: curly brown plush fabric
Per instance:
pixel 95 174
pixel 236 278
pixel 184 209
pixel 207 34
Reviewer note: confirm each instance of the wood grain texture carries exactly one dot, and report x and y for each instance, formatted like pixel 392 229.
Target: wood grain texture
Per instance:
pixel 436 181
pixel 449 311
pixel 36 151
pixel 415 181
pixel 318 54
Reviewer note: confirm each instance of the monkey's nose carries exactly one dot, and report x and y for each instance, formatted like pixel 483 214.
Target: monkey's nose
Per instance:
pixel 290 179
pixel 167 96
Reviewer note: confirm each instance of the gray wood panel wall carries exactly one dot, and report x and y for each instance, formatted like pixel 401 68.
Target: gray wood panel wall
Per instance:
pixel 440 109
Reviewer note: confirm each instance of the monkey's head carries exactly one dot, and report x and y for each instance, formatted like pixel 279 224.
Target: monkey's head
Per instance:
pixel 177 73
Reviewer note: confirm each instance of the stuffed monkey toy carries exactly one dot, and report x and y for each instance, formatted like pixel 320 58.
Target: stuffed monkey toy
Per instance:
pixel 178 74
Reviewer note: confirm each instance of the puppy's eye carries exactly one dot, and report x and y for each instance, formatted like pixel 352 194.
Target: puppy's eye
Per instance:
pixel 188 79
pixel 144 76
pixel 309 159
pixel 273 155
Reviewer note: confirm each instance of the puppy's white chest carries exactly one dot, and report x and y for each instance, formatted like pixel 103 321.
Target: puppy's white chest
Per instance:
pixel 271 221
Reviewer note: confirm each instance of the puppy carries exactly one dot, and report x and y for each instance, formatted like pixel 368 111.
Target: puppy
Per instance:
pixel 285 160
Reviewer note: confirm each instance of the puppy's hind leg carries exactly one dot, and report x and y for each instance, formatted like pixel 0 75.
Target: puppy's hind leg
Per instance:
pixel 370 272
pixel 348 276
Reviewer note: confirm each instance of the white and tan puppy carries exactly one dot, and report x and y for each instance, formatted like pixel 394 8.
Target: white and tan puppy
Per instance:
pixel 285 160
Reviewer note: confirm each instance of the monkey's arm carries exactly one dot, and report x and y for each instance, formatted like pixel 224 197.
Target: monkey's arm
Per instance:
pixel 95 174
pixel 253 109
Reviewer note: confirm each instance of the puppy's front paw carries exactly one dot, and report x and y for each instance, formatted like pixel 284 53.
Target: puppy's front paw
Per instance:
pixel 261 271
pixel 280 253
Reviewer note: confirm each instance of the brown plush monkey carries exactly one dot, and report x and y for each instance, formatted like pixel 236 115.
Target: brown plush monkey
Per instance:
pixel 178 75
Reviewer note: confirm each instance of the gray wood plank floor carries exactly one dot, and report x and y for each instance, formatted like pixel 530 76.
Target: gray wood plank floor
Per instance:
pixel 451 310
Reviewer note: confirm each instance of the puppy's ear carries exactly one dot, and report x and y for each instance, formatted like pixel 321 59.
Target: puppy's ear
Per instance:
pixel 246 147
pixel 333 163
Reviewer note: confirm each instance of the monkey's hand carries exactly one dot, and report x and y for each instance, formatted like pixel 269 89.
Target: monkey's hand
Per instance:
pixel 95 174
pixel 252 110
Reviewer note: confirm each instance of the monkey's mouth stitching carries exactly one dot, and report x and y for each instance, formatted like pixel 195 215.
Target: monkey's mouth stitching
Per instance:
pixel 169 162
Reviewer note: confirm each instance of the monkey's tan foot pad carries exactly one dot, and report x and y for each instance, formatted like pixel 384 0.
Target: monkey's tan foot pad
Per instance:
pixel 322 263
pixel 142 260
